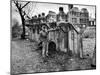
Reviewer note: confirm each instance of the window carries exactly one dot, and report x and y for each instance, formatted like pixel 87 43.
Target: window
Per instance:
pixel 86 14
pixel 78 14
pixel 82 14
pixel 83 20
pixel 74 20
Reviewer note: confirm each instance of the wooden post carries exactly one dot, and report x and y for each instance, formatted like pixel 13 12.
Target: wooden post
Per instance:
pixel 67 39
pixel 81 46
pixel 30 33
pixel 58 40
pixel 94 57
pixel 73 43
pixel 78 45
pixel 72 37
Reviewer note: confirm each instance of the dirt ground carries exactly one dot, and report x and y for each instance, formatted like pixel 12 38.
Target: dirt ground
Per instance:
pixel 26 59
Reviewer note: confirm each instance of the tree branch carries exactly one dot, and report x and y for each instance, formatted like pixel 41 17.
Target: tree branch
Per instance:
pixel 16 3
pixel 25 5
pixel 24 13
pixel 28 17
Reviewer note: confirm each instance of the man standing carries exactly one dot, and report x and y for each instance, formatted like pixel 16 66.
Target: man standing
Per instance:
pixel 44 39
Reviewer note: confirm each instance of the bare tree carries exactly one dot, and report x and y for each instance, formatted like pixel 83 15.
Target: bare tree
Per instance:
pixel 22 14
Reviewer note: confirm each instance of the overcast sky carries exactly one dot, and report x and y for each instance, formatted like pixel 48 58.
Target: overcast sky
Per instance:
pixel 38 8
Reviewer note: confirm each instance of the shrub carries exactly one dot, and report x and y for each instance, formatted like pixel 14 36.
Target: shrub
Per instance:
pixel 16 31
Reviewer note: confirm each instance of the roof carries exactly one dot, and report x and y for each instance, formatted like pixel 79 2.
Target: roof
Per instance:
pixel 75 9
pixel 69 25
pixel 84 10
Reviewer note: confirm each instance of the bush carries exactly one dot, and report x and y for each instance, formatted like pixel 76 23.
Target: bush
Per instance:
pixel 89 33
pixel 16 31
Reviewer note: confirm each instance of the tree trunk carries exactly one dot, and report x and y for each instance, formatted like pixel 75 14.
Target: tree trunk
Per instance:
pixel 23 25
pixel 81 47
pixel 23 33
pixel 22 14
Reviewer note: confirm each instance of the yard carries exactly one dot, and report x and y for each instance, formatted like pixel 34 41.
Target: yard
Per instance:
pixel 26 59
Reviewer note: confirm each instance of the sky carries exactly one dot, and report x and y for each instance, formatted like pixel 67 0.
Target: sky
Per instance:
pixel 37 8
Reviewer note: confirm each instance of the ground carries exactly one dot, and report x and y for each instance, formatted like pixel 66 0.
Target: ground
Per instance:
pixel 25 58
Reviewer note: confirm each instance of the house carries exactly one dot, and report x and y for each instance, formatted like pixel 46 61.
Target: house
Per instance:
pixel 61 16
pixel 92 21
pixel 51 17
pixel 78 17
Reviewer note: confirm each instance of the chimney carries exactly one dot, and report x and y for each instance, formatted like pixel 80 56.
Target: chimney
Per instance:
pixel 35 16
pixel 39 15
pixel 60 9
pixel 43 14
pixel 70 6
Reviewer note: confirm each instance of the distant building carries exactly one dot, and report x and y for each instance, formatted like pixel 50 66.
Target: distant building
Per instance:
pixel 78 17
pixel 73 16
pixel 84 17
pixel 92 21
pixel 70 6
pixel 43 18
pixel 34 19
pixel 61 16
pixel 51 17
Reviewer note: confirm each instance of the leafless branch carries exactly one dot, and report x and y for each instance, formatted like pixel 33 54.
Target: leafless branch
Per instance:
pixel 19 7
pixel 16 3
pixel 24 14
pixel 25 5
pixel 28 17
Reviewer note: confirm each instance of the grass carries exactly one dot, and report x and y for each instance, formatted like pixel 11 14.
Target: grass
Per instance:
pixel 26 59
